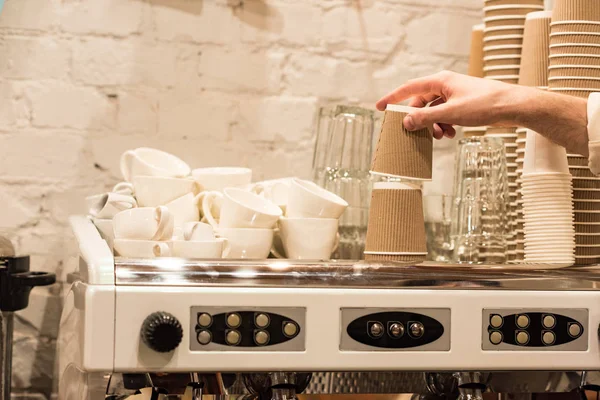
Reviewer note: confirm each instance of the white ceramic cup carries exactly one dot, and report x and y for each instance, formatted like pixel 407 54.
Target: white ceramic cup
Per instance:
pixel 185 209
pixel 141 248
pixel 151 162
pixel 145 223
pixel 247 243
pixel 309 200
pixel 154 191
pixel 276 191
pixel 124 188
pixel 106 230
pixel 215 248
pixel 308 238
pixel 198 231
pixel 240 209
pixel 219 178
pixel 108 205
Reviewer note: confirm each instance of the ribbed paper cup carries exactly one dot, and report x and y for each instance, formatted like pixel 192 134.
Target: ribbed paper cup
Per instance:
pixel 494 130
pixel 583 172
pixel 504 20
pixel 476 53
pixel 565 37
pixel 572 59
pixel 574 93
pixel 583 194
pixel 511 79
pixel 401 153
pixel 587 229
pixel 565 70
pixel 510 9
pixel 581 216
pixel 574 82
pixel 534 61
pixel 587 260
pixel 575 26
pixel 501 73
pixel 575 160
pixel 495 51
pixel 587 206
pixel 408 258
pixel 396 222
pixel 488 3
pixel 497 62
pixel 587 251
pixel 504 40
pixel 573 48
pixel 576 10
pixel 504 30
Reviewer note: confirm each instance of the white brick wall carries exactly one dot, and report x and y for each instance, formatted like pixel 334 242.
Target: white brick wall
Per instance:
pixel 217 82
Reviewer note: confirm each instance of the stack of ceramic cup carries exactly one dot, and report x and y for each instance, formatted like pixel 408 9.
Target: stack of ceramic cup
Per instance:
pixel 476 70
pixel 575 70
pixel 547 203
pixel 396 229
pixel 534 72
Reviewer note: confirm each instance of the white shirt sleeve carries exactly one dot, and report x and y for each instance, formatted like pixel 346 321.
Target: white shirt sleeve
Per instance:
pixel 593 128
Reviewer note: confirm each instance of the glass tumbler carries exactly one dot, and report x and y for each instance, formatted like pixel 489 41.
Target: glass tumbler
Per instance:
pixel 480 215
pixel 341 164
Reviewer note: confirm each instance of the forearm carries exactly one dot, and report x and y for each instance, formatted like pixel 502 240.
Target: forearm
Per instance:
pixel 560 118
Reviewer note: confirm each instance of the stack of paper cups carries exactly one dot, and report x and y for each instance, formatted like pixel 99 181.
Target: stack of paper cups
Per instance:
pixel 476 70
pixel 520 233
pixel 574 69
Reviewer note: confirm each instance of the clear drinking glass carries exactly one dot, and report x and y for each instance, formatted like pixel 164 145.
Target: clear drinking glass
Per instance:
pixel 438 221
pixel 480 215
pixel 341 164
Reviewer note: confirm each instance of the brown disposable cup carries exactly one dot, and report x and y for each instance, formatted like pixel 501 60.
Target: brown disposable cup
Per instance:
pixel 575 93
pixel 587 240
pixel 581 261
pixel 509 20
pixel 492 130
pixel 396 222
pixel 510 10
pixel 534 64
pixel 586 206
pixel 504 30
pixel 402 153
pixel 573 60
pixel 564 38
pixel 512 169
pixel 586 183
pixel 582 172
pixel 501 72
pixel 503 40
pixel 574 83
pixel 581 216
pixel 489 3
pixel 587 251
pixel 583 71
pixel 577 161
pixel 476 53
pixel 582 194
pixel 587 229
pixel 576 10
pixel 573 49
pixel 497 62
pixel 395 258
pixel 566 26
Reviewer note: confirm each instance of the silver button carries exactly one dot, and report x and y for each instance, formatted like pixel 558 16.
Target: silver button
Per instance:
pixel 522 321
pixel 522 337
pixel 234 320
pixel 233 338
pixel 204 337
pixel 548 337
pixel 290 329
pixel 496 337
pixel 496 321
pixel 376 329
pixel 261 321
pixel 549 321
pixel 417 329
pixel 396 330
pixel 574 330
pixel 204 320
pixel 261 338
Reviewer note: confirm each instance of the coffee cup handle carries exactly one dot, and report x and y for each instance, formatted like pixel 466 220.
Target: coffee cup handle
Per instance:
pixel 226 248
pixel 164 217
pixel 126 159
pixel 207 203
pixel 161 250
pixel 123 188
pixel 125 203
pixel 276 253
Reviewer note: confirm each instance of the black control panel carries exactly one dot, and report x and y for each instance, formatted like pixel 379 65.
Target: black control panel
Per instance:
pixel 217 328
pixel 395 329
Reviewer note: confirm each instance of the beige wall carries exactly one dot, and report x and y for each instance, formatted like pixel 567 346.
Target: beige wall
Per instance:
pixel 217 82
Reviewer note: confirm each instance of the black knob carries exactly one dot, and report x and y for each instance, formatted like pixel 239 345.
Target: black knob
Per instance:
pixel 161 332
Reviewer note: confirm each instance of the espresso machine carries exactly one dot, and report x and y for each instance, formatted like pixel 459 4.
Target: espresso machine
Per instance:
pixel 169 328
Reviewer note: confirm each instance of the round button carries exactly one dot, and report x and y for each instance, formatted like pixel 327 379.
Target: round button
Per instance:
pixel 548 338
pixel 204 337
pixel 234 320
pixel 204 320
pixel 396 329
pixel 417 329
pixel 574 330
pixel 376 329
pixel 549 321
pixel 261 320
pixel 290 329
pixel 496 337
pixel 522 337
pixel 261 338
pixel 233 337
pixel 496 321
pixel 522 321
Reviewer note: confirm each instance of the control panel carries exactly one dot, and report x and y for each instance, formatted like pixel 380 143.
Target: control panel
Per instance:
pixel 372 329
pixel 247 329
pixel 535 329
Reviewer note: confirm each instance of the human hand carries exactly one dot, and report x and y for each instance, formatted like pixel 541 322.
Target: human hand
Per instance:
pixel 457 99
